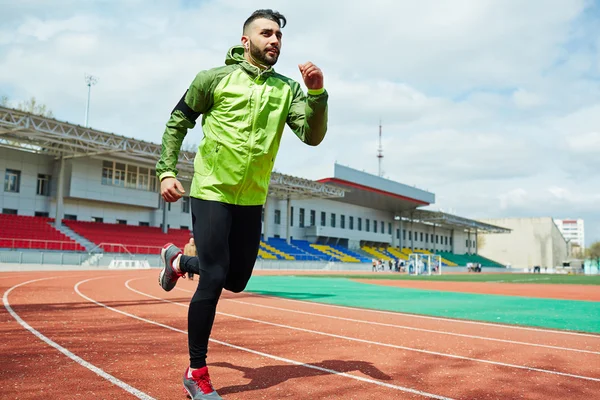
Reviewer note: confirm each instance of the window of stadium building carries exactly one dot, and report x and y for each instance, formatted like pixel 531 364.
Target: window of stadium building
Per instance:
pixel 185 205
pixel 129 176
pixel 12 181
pixel 277 217
pixel 43 185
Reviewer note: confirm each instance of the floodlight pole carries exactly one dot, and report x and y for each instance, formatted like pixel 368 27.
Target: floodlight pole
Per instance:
pixel 380 151
pixel 89 81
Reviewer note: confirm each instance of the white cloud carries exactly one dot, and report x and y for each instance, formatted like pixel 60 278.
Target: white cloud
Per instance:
pixel 525 99
pixel 516 197
pixel 43 30
pixel 585 143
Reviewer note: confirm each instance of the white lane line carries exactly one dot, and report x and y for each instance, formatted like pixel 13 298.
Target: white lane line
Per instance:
pixel 435 353
pixel 130 389
pixel 286 360
pixel 458 321
pixel 408 327
pixel 520 280
pixel 414 329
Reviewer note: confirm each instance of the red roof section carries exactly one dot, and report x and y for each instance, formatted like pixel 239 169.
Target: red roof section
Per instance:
pixel 370 189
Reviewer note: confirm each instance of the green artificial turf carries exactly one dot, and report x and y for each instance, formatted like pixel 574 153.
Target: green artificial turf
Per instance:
pixel 573 315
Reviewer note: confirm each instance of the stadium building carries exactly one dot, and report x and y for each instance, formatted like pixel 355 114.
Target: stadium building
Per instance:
pixel 573 231
pixel 531 242
pixel 74 190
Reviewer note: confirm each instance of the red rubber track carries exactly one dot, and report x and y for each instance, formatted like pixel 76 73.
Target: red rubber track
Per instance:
pixel 389 352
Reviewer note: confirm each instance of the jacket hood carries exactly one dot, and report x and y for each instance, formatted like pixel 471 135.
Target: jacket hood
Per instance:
pixel 235 55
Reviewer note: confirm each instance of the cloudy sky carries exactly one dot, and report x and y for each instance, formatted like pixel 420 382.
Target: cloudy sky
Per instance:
pixel 493 105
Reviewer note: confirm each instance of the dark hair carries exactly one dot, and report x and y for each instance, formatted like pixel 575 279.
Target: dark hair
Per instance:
pixel 274 16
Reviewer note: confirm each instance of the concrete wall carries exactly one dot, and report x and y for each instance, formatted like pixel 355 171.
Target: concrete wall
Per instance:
pixel 27 202
pixel 533 241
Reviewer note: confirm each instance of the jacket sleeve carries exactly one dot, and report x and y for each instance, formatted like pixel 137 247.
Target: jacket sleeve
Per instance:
pixel 308 115
pixel 195 101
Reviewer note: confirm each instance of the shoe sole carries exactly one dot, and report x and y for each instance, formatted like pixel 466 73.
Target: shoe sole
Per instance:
pixel 163 252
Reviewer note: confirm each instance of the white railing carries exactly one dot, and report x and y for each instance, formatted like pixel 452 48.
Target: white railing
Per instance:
pixel 127 248
pixel 37 244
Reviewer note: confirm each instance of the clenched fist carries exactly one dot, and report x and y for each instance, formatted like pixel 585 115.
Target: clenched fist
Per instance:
pixel 171 189
pixel 312 75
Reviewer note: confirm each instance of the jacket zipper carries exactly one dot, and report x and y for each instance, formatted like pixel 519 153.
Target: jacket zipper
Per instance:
pixel 254 113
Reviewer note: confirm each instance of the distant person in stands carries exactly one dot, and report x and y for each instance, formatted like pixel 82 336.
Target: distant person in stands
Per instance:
pixel 190 250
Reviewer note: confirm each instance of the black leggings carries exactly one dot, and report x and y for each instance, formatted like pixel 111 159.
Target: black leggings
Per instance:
pixel 227 240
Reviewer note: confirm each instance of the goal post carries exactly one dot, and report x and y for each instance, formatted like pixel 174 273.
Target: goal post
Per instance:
pixel 424 264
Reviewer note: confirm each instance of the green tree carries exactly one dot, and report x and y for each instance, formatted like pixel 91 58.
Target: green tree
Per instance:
pixel 593 252
pixel 33 107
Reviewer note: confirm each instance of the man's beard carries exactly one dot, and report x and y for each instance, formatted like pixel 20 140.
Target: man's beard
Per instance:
pixel 262 56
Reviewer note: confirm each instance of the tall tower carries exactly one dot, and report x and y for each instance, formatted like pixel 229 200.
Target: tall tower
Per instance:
pixel 89 81
pixel 380 151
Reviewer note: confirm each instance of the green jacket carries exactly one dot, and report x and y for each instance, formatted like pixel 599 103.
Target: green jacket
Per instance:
pixel 244 111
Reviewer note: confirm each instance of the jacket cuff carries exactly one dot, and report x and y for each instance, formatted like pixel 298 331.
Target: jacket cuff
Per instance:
pixel 316 92
pixel 167 174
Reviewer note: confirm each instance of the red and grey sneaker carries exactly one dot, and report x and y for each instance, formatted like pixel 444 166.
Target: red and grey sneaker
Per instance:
pixel 198 385
pixel 168 276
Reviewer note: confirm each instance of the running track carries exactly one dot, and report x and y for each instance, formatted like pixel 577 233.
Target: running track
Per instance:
pixel 113 334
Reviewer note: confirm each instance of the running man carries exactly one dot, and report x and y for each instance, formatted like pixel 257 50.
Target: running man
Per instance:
pixel 245 106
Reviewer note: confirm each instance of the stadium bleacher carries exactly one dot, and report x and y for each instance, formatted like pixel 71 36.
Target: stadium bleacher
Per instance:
pixel 354 254
pixel 25 232
pixel 464 259
pixel 278 248
pixel 296 249
pixel 374 251
pixel 334 253
pixel 449 259
pixel 277 254
pixel 120 238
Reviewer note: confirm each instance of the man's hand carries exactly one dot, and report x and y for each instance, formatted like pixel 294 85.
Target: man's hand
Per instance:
pixel 312 75
pixel 171 189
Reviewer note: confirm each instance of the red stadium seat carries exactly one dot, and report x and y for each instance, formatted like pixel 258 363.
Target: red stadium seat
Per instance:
pixel 136 239
pixel 25 232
